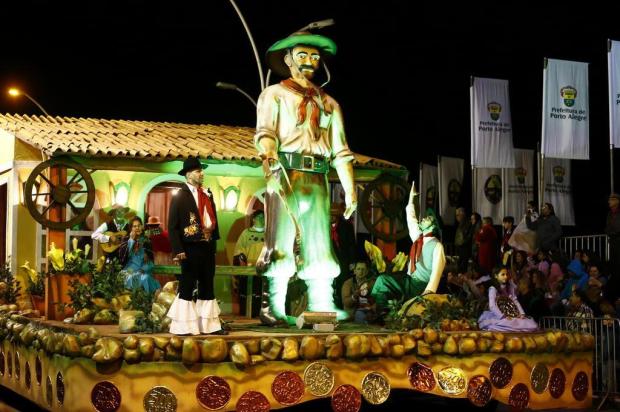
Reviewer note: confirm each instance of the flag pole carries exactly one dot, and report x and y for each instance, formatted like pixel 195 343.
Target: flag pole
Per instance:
pixel 541 178
pixel 472 144
pixel 421 211
pixel 610 72
pixel 611 166
pixel 541 156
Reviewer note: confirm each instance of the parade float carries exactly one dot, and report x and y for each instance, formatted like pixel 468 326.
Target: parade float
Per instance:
pixel 80 367
pixel 429 344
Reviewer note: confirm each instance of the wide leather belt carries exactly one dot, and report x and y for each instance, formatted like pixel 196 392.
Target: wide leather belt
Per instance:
pixel 306 163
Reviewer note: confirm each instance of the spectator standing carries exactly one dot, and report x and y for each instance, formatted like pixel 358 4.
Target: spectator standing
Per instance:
pixel 486 239
pixel 547 227
pixel 463 239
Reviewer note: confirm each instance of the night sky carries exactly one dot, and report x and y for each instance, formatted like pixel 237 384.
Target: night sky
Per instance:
pixel 401 73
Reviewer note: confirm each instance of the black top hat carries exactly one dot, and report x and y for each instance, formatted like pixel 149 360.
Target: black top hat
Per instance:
pixel 190 164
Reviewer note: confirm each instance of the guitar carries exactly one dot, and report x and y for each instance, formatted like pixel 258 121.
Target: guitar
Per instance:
pixel 112 246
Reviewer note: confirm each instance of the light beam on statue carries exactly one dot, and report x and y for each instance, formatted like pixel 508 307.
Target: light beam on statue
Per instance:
pixel 299 139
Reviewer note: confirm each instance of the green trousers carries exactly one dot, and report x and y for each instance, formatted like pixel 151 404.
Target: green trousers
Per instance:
pixel 395 287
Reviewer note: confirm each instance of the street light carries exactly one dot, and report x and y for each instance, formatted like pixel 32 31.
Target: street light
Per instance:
pixel 318 24
pixel 265 82
pixel 14 92
pixel 231 86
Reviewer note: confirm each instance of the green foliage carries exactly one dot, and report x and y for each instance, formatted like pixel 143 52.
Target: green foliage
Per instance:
pixel 108 283
pixel 434 313
pixel 141 300
pixel 75 263
pixel 80 295
pixel 37 288
pixel 148 324
pixel 9 286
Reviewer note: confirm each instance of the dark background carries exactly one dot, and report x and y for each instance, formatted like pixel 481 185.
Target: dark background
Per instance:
pixel 401 73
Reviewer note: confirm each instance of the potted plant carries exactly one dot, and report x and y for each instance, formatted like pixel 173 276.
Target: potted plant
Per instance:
pixel 64 268
pixel 9 288
pixel 36 287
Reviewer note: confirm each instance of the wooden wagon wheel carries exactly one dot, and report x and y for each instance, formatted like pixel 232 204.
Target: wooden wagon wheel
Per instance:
pixel 58 195
pixel 382 207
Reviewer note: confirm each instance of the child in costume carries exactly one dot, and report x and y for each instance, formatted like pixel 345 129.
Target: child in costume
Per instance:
pixel 505 314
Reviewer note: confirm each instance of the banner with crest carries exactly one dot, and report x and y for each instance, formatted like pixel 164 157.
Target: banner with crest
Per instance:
pixel 450 171
pixel 519 184
pixel 613 73
pixel 491 123
pixel 429 196
pixel 565 123
pixel 558 189
pixel 489 199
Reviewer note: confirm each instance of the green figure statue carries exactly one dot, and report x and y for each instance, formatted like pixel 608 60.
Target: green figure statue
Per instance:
pixel 300 135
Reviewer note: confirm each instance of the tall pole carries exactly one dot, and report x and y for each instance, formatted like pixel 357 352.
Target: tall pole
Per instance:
pixel 247 30
pixel 474 189
pixel 36 103
pixel 612 104
pixel 611 166
pixel 541 178
pixel 231 86
pixel 472 154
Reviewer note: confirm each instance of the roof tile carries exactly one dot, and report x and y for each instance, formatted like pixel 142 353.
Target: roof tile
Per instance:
pixel 158 141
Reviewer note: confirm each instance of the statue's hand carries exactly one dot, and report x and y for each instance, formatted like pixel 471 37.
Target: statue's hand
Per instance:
pixel 351 202
pixel 413 193
pixel 270 162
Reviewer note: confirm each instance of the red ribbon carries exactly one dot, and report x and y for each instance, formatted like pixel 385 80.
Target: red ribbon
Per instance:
pixel 308 95
pixel 416 250
pixel 204 202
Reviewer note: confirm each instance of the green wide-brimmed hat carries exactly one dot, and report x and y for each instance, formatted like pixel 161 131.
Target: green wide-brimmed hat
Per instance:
pixel 275 54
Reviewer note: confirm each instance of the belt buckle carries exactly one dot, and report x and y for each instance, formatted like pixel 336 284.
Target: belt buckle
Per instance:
pixel 307 162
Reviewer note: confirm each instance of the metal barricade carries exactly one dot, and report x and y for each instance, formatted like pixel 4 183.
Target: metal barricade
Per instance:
pixel 597 244
pixel 606 332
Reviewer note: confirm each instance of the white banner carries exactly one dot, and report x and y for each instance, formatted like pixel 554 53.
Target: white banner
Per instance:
pixel 450 171
pixel 491 124
pixel 429 196
pixel 489 193
pixel 558 189
pixel 519 184
pixel 565 124
pixel 613 73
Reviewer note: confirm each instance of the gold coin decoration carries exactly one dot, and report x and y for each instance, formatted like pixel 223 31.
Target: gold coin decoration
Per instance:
pixel 319 379
pixel 479 390
pixel 501 372
pixel 539 377
pixel 557 382
pixel 452 381
pixel 507 307
pixel 421 377
pixel 580 386
pixel 160 399
pixel 375 388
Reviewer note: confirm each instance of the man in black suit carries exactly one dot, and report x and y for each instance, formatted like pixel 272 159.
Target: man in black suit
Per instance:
pixel 193 231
